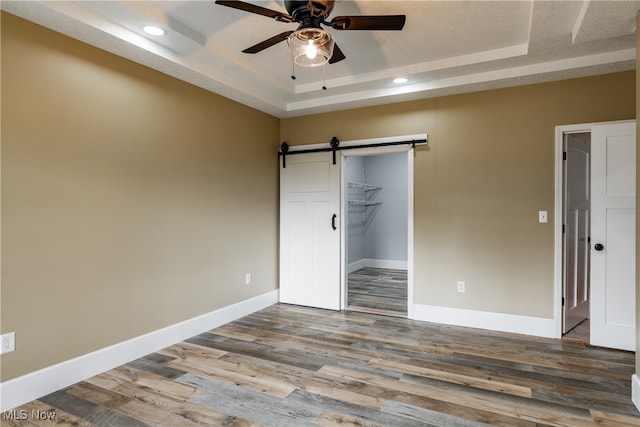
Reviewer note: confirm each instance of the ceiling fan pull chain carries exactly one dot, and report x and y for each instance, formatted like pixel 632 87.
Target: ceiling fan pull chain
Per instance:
pixel 324 76
pixel 293 70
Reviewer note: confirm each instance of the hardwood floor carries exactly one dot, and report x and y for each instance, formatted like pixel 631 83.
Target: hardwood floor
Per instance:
pixel 581 333
pixel 378 290
pixel 297 366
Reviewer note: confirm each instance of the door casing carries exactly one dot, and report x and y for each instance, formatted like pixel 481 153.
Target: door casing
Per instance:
pixel 410 226
pixel 410 208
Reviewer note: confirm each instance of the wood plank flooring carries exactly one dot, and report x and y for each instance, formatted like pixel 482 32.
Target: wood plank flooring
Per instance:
pixel 297 366
pixel 581 333
pixel 378 290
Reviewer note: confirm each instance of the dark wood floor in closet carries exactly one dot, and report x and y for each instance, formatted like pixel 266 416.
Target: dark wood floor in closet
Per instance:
pixel 378 290
pixel 296 366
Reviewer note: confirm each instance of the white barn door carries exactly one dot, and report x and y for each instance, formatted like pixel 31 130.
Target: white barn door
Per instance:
pixel 310 231
pixel 613 219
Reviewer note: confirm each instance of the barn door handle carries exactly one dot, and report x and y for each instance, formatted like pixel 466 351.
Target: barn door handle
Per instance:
pixel 598 247
pixel 333 221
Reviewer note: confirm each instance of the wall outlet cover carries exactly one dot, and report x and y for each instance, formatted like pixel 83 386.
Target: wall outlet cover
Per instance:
pixel 7 342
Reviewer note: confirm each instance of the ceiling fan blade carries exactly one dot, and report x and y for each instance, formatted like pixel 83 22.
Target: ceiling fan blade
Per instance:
pixel 371 22
pixel 259 10
pixel 268 43
pixel 337 55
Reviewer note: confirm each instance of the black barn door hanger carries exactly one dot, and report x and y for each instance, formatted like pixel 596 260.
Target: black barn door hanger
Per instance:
pixel 334 147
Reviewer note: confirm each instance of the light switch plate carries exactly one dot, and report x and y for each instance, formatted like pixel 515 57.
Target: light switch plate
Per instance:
pixel 542 217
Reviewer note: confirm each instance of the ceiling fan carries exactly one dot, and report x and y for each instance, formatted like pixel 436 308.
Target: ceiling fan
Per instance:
pixel 310 44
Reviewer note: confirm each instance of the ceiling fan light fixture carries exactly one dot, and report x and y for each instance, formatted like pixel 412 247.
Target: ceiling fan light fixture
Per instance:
pixel 311 47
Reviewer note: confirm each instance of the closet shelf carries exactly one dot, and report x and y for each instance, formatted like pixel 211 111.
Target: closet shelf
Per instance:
pixel 364 187
pixel 364 203
pixel 364 200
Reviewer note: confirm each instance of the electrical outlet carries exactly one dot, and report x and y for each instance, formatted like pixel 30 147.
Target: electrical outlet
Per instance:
pixel 461 286
pixel 247 279
pixel 7 342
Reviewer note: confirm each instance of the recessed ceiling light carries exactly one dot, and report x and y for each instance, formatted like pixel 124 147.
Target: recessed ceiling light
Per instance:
pixel 400 80
pixel 154 31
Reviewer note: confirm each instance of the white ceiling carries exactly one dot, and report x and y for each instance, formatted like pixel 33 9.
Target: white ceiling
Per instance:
pixel 446 47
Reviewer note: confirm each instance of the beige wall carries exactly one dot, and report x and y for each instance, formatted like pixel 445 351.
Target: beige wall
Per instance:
pixel 130 200
pixel 488 170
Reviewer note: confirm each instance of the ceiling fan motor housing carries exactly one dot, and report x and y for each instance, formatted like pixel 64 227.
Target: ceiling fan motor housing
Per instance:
pixel 309 13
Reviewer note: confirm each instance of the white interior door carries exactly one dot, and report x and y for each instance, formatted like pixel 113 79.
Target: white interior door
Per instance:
pixel 576 236
pixel 310 231
pixel 613 193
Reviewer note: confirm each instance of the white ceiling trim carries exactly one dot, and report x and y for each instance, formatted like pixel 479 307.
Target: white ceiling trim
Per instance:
pixel 625 59
pixel 441 64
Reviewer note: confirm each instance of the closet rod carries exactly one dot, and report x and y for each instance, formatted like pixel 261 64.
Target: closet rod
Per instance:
pixel 334 146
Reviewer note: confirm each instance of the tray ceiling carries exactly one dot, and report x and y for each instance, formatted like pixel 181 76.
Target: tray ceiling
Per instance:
pixel 446 47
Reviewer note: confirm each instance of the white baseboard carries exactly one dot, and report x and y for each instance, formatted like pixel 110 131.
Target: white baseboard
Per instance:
pixel 635 390
pixel 536 326
pixel 377 263
pixel 355 266
pixel 32 386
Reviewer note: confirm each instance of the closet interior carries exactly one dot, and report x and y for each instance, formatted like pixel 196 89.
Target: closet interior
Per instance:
pixel 377 216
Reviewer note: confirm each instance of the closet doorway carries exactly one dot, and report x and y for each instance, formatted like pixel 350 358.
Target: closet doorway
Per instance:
pixel 377 219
